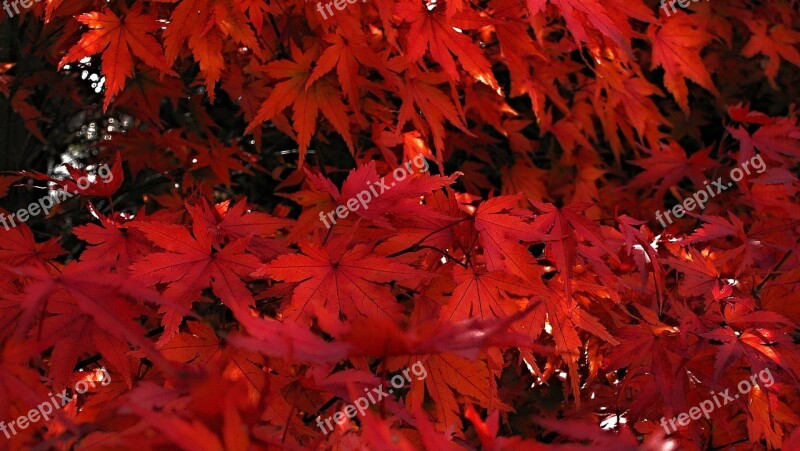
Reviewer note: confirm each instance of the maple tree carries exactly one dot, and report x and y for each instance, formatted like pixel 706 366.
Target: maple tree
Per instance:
pixel 525 269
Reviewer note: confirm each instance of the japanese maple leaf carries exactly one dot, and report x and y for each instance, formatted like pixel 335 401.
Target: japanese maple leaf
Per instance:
pixel 698 273
pixel 218 157
pixel 117 40
pixel 118 245
pixel 524 177
pixel 677 44
pixel 451 381
pixel 779 140
pixel 668 164
pixel 421 89
pixel 776 43
pixel 432 30
pixel 551 307
pixel 482 295
pixel 653 350
pixel 758 345
pixel 751 244
pixel 563 226
pixel 623 100
pixel 190 265
pixel 143 148
pixel 250 93
pixel 769 417
pixel 256 10
pixel 201 347
pixel 594 21
pixel 142 97
pixel 73 334
pixel 306 101
pixel 345 55
pixel 62 8
pixel 501 226
pixel 23 104
pixel 224 221
pixel 401 199
pixel 98 294
pixel 18 247
pixel 646 252
pixel 553 310
pixel 511 34
pixel 742 313
pixel 204 25
pixel 352 281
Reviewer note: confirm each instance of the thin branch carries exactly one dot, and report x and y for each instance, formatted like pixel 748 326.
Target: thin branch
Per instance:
pixel 415 246
pixel 773 272
pixel 424 246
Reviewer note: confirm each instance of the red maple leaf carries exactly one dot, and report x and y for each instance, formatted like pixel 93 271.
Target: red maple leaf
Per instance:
pixel 306 101
pixel 118 40
pixel 191 264
pixel 337 279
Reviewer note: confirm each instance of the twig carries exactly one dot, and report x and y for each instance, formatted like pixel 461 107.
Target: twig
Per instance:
pixel 425 246
pixel 415 246
pixel 774 270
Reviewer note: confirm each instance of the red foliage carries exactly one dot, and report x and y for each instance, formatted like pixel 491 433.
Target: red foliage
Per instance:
pixel 523 266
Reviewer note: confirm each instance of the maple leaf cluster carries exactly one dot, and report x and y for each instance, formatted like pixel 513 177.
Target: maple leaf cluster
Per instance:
pixel 525 270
